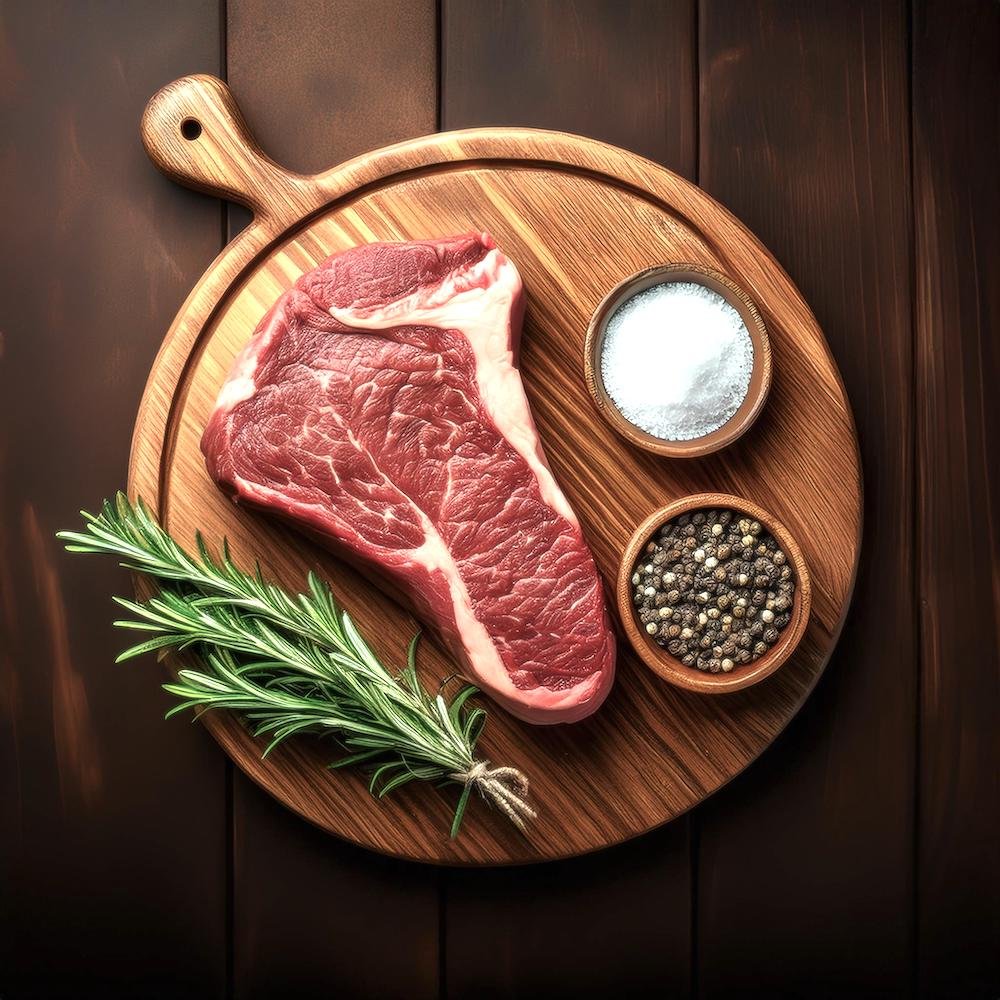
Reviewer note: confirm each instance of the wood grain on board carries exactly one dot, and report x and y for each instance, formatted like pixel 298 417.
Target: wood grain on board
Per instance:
pixel 956 141
pixel 619 921
pixel 804 135
pixel 652 751
pixel 112 851
pixel 310 912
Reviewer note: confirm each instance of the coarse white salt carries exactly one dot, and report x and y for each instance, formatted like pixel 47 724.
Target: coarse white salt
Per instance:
pixel 676 360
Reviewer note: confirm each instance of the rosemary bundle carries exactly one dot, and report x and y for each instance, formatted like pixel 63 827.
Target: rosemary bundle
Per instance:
pixel 294 664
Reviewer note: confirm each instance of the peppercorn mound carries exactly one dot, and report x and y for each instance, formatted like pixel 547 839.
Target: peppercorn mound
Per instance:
pixel 714 589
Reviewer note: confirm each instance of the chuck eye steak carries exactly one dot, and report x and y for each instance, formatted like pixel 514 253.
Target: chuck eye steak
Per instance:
pixel 379 406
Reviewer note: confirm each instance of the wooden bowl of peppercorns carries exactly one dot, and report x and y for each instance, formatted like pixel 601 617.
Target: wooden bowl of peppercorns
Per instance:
pixel 713 593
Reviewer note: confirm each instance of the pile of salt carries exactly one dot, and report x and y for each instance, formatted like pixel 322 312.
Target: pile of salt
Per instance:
pixel 676 360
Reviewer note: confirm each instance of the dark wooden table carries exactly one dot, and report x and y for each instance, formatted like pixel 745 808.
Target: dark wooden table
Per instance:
pixel 860 141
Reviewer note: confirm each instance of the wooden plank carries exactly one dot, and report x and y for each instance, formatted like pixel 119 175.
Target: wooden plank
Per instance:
pixel 311 912
pixel 610 924
pixel 617 72
pixel 804 112
pixel 617 921
pixel 329 79
pixel 112 860
pixel 956 138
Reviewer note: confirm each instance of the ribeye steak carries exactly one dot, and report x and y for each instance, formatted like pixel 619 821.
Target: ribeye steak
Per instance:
pixel 379 406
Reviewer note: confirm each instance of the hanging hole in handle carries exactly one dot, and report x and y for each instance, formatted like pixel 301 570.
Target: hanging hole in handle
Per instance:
pixel 190 129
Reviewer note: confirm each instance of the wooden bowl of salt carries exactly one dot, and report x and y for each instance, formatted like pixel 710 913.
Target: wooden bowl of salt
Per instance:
pixel 678 360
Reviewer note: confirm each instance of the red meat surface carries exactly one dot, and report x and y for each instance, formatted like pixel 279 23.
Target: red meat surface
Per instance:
pixel 379 405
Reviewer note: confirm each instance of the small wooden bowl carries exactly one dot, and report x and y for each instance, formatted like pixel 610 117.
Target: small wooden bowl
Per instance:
pixel 760 376
pixel 669 667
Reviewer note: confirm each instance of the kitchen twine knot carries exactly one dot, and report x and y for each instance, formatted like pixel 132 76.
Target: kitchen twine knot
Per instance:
pixel 505 787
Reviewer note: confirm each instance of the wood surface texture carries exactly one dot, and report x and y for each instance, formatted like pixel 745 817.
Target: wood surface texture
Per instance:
pixel 805 134
pixel 305 904
pixel 859 142
pixel 621 919
pixel 112 854
pixel 956 208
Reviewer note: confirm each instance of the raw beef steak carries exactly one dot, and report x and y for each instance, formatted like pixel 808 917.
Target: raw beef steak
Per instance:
pixel 379 406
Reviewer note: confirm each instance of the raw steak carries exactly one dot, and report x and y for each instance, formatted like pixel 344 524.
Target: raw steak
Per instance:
pixel 379 406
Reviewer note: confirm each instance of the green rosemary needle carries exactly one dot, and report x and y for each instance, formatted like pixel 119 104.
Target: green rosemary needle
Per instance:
pixel 294 664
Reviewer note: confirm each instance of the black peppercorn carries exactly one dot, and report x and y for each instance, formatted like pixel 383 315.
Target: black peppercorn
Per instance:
pixel 713 588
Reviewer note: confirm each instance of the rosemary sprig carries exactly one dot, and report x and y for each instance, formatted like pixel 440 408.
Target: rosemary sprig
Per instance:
pixel 294 664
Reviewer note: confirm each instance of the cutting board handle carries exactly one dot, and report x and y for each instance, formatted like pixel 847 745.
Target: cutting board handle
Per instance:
pixel 194 132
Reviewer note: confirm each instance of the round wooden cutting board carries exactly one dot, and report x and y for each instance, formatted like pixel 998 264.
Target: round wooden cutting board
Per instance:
pixel 577 217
